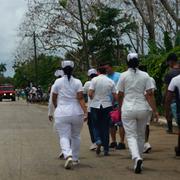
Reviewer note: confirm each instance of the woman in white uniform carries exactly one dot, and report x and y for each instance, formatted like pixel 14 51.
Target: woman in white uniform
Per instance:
pixel 69 113
pixel 133 103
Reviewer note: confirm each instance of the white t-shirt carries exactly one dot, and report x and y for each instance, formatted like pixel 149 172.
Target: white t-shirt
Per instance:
pixel 86 89
pixel 103 87
pixel 133 85
pixel 67 102
pixel 175 84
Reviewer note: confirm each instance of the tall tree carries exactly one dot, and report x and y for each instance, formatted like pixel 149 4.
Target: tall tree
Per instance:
pixel 2 69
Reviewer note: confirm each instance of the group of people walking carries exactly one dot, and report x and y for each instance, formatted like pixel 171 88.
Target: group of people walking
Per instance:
pixel 129 96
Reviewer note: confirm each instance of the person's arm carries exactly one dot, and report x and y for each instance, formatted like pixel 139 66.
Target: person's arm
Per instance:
pixel 168 100
pixel 91 94
pixel 82 104
pixel 120 98
pixel 151 100
pixel 54 99
pixel 50 108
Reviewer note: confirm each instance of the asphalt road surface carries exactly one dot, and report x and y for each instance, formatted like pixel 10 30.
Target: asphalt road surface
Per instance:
pixel 29 150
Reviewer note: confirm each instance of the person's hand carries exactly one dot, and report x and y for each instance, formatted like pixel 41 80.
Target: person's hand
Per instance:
pixel 85 117
pixel 156 116
pixel 50 118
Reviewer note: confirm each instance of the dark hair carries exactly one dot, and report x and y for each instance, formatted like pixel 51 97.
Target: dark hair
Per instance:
pixel 172 57
pixel 133 63
pixel 68 71
pixel 102 70
pixel 92 76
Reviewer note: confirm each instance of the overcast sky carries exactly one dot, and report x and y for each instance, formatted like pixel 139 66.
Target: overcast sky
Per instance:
pixel 11 15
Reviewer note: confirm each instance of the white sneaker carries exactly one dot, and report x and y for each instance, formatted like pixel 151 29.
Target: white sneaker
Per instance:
pixel 69 163
pixel 93 147
pixel 147 148
pixel 61 156
pixel 75 163
pixel 138 165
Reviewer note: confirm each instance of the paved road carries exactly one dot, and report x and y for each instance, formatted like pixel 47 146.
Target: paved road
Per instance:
pixel 29 149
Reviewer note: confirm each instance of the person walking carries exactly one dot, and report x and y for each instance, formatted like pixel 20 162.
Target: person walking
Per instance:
pixel 91 74
pixel 174 90
pixel 134 108
pixel 114 76
pixel 174 66
pixel 70 110
pixel 101 105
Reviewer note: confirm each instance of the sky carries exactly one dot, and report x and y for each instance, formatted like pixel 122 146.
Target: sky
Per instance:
pixel 11 15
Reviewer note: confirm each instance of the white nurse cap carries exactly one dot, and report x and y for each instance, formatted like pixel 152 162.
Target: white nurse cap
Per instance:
pixel 131 56
pixel 67 63
pixel 59 73
pixel 92 71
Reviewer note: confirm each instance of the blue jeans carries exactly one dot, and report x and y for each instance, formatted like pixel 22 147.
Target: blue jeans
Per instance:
pixel 91 127
pixel 101 121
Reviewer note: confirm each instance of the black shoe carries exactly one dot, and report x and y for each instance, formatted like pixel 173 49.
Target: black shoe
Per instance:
pixel 121 146
pixel 177 150
pixel 138 167
pixel 113 145
pixel 98 150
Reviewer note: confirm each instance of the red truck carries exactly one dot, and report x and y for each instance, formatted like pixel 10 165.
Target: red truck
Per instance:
pixel 7 92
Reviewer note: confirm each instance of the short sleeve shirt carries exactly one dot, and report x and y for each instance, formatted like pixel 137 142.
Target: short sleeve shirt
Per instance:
pixel 103 87
pixel 133 85
pixel 174 86
pixel 67 103
pixel 86 89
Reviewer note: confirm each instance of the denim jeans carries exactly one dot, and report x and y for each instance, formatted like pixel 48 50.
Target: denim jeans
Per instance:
pixel 91 127
pixel 101 121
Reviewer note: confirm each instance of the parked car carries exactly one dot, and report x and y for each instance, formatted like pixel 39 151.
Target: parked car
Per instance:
pixel 7 92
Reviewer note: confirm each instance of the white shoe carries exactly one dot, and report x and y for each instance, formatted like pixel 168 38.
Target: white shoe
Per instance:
pixel 69 163
pixel 75 163
pixel 138 165
pixel 147 148
pixel 61 156
pixel 93 147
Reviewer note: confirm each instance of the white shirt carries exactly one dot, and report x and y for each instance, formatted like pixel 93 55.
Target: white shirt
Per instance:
pixel 175 83
pixel 103 87
pixel 86 89
pixel 133 85
pixel 67 102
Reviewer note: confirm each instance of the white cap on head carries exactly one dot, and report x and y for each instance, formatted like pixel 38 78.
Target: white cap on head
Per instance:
pixel 67 63
pixel 59 73
pixel 92 71
pixel 131 56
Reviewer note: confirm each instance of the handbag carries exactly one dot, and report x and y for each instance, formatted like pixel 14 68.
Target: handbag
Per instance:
pixel 115 115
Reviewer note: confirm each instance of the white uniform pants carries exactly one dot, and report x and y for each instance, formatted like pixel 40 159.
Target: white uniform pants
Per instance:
pixel 134 123
pixel 69 129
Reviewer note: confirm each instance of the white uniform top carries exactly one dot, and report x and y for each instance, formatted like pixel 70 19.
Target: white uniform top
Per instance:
pixel 86 89
pixel 133 85
pixel 103 87
pixel 67 102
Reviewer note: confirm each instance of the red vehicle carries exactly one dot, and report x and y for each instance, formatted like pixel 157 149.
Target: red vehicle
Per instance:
pixel 7 92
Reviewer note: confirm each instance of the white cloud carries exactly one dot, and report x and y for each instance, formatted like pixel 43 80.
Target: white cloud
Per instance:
pixel 11 13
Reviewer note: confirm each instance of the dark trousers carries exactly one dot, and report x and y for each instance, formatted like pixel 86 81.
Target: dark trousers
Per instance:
pixel 101 120
pixel 91 128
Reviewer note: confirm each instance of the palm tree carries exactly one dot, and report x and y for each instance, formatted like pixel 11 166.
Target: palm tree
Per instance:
pixel 2 69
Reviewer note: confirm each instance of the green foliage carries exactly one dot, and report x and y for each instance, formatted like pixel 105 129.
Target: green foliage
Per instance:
pixel 63 3
pixel 2 69
pixel 167 42
pixel 177 40
pixel 25 73
pixel 109 26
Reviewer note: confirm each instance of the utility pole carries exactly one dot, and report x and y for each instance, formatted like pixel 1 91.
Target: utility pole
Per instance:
pixel 83 35
pixel 35 58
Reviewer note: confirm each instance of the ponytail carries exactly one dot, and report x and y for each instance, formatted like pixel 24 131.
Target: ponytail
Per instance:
pixel 68 71
pixel 133 63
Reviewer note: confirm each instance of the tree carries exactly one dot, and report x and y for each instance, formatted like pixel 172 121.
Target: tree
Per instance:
pixel 2 69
